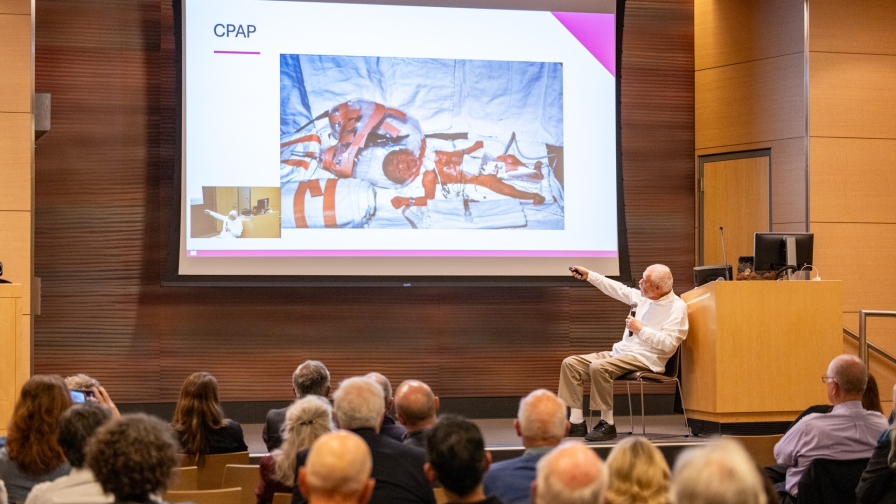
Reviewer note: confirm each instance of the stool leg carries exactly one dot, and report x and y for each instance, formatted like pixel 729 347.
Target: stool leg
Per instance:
pixel 686 426
pixel 631 413
pixel 643 425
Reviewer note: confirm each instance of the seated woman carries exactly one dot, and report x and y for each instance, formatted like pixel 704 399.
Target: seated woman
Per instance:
pixel 199 421
pixel 32 454
pixel 133 458
pixel 306 420
pixel 638 474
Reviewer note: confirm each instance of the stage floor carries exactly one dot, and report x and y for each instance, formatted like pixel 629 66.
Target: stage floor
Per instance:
pixel 666 431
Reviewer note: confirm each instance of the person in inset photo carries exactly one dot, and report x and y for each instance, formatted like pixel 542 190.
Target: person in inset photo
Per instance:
pixel 232 228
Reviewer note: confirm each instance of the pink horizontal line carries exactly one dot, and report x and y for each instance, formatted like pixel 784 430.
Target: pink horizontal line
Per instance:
pixel 402 253
pixel 237 52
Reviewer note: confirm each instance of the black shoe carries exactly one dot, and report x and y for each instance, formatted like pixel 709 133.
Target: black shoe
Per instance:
pixel 602 432
pixel 578 429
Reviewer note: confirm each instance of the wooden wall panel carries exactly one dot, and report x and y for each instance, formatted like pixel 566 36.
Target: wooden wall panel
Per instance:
pixel 751 102
pixel 15 61
pixel 746 30
pixel 658 135
pixel 860 26
pixel 863 169
pixel 15 251
pixel 851 95
pixel 104 183
pixel 15 7
pixel 16 133
pixel 788 176
pixel 860 255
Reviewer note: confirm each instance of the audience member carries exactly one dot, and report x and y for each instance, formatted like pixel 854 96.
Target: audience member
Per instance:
pixel 32 453
pixel 870 401
pixel 338 470
pixel 359 406
pixel 199 421
pixel 306 420
pixel 458 460
pixel 76 427
pixel 81 381
pixel 133 458
pixel 719 473
pixel 847 432
pixel 637 473
pixel 569 474
pixel 878 483
pixel 541 423
pixel 310 378
pixel 389 427
pixel 415 408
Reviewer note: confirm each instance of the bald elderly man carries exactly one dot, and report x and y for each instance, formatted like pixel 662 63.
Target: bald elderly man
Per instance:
pixel 541 423
pixel 570 474
pixel 848 432
pixel 337 470
pixel 651 336
pixel 416 408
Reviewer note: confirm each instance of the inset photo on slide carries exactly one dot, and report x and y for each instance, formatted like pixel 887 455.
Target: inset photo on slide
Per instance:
pixel 236 213
pixel 421 143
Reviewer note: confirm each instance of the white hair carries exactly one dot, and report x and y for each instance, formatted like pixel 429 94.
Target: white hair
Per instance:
pixel 720 473
pixel 560 482
pixel 383 382
pixel 359 403
pixel 542 416
pixel 233 214
pixel 661 276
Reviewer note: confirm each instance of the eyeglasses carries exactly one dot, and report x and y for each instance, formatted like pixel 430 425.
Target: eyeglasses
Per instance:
pixel 826 379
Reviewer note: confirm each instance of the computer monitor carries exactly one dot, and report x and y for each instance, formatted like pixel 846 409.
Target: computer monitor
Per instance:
pixel 262 205
pixel 771 250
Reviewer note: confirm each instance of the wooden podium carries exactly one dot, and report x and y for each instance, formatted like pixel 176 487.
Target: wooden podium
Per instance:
pixel 11 375
pixel 756 351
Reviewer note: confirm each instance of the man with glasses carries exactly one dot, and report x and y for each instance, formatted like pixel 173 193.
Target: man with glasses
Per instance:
pixel 847 432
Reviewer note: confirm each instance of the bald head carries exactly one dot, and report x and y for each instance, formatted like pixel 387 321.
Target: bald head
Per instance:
pixel 850 378
pixel 415 405
pixel 570 474
pixel 541 419
pixel 384 383
pixel 337 469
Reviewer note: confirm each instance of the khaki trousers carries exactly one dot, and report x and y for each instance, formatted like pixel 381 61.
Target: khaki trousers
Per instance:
pixel 602 369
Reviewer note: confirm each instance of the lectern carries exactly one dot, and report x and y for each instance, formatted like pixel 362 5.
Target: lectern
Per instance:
pixel 756 351
pixel 10 350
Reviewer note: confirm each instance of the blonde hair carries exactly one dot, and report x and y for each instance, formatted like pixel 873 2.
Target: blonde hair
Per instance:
pixel 638 473
pixel 306 420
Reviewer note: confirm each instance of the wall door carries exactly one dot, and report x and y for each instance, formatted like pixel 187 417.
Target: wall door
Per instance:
pixel 734 192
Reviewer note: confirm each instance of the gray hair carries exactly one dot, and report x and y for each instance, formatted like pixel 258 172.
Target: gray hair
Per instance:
pixel 81 381
pixel 311 378
pixel 542 417
pixel 722 472
pixel 383 382
pixel 661 276
pixel 359 403
pixel 849 372
pixel 560 475
pixel 306 420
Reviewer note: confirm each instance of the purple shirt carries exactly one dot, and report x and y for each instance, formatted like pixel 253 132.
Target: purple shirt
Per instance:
pixel 847 432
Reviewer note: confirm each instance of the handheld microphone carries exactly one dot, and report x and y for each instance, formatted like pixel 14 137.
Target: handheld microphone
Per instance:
pixel 724 255
pixel 631 314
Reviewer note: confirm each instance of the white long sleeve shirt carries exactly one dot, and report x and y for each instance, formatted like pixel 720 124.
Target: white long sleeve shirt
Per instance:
pixel 665 323
pixel 231 228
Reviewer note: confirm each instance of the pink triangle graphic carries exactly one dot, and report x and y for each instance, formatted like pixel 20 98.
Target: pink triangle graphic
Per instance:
pixel 597 32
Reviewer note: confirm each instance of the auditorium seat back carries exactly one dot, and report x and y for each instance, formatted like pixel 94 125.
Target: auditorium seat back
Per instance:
pixel 831 481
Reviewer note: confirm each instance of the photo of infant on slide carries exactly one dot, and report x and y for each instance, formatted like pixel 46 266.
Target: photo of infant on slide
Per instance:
pixel 410 143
